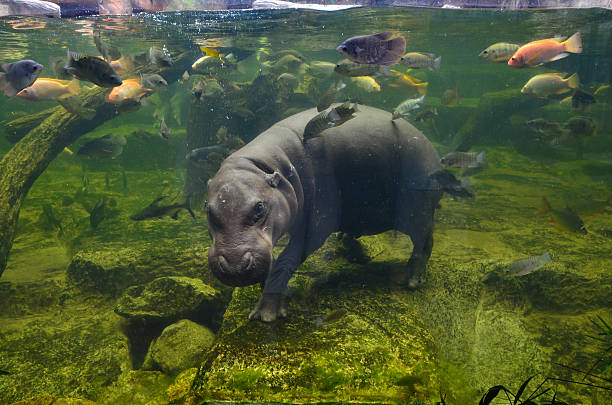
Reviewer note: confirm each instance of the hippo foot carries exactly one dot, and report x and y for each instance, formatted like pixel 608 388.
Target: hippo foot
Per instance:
pixel 413 277
pixel 269 308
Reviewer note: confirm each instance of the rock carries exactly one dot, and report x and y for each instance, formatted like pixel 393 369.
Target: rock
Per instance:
pixel 181 346
pixel 29 7
pixel 51 400
pixel 167 298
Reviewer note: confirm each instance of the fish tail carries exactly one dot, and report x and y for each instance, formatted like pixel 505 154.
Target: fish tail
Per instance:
pixel 437 62
pixel 573 81
pixel 546 258
pixel 481 158
pixel 574 43
pixel 422 88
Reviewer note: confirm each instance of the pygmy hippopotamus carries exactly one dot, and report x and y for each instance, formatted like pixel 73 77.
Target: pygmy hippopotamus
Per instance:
pixel 367 176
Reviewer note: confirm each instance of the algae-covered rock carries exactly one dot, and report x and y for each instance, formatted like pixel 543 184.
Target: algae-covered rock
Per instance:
pixel 167 298
pixel 181 346
pixel 51 400
pixel 346 338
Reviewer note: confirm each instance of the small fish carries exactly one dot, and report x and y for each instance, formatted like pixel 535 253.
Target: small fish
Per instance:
pixel 92 69
pixel 164 131
pixel 200 155
pixel 50 90
pixel 412 84
pixel 426 116
pixel 108 52
pixel 566 219
pixel 321 69
pixel 329 119
pixel 450 96
pixel 367 83
pixel 288 80
pixel 108 146
pixel 351 69
pixel 184 78
pixel 153 81
pixel 580 100
pixel 288 63
pixel 49 218
pixel 522 267
pixel 420 60
pixel 130 89
pixel 377 49
pixel 97 214
pixel 547 128
pixel 207 65
pixel 155 211
pixel 159 57
pixel 403 110
pixel 329 96
pixel 331 317
pixel 58 67
pixel 547 84
pixel 499 52
pixel 18 75
pixel 464 160
pixel 579 127
pixel 537 53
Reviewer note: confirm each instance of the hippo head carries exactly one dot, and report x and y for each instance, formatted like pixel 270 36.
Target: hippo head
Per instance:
pixel 248 210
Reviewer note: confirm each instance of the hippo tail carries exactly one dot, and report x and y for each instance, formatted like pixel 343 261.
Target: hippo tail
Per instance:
pixel 447 182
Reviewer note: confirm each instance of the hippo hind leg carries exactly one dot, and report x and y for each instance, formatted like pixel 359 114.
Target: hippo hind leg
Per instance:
pixel 418 224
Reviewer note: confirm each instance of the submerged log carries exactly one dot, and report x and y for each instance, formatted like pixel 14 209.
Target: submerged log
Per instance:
pixel 19 127
pixel 22 165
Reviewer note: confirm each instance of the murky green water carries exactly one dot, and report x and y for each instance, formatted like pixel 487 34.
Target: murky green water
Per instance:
pixel 81 299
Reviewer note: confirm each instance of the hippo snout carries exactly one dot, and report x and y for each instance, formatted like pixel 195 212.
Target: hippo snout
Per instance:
pixel 239 270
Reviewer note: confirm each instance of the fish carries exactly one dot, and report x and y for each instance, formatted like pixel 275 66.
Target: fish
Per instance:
pixel 537 53
pixel 547 84
pixel 207 65
pixel 450 96
pixel 329 119
pixel 288 80
pixel 367 83
pixel 499 52
pixel 582 100
pixel 164 131
pixel 4 372
pixel 412 84
pixel 44 89
pixel 153 81
pixel 377 49
pixel 579 127
pixel 404 108
pixel 108 52
pixel 156 211
pixel 210 52
pixel 200 155
pixel 464 160
pixel 525 266
pixel 58 67
pixel 428 115
pixel 49 219
pixel 185 77
pixel 321 69
pixel 547 128
pixel 421 60
pixel 207 87
pixel 288 63
pixel 18 75
pixel 130 89
pixel 96 216
pixel 351 69
pixel 107 146
pixel 331 317
pixel 92 69
pixel 159 57
pixel 329 96
pixel 565 219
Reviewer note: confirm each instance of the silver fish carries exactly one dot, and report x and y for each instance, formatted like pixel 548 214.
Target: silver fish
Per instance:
pixel 522 267
pixel 403 110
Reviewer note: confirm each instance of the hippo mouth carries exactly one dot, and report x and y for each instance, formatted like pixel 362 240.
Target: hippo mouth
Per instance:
pixel 251 269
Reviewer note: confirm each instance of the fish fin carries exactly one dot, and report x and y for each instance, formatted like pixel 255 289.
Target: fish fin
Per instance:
pixel 385 70
pixel 546 258
pixel 6 66
pixel 74 87
pixel 422 88
pixel 559 56
pixel 573 81
pixel 481 158
pixel 574 43
pixel 7 87
pixel 397 46
pixel 437 62
pixel 210 52
pixel 384 35
pixel 388 59
pixel 241 66
pixel 546 204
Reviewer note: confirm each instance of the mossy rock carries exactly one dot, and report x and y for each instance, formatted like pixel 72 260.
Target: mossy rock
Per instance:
pixel 51 400
pixel 180 346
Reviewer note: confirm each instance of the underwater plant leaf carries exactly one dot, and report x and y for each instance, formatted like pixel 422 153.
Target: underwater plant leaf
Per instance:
pixel 491 394
pixel 521 390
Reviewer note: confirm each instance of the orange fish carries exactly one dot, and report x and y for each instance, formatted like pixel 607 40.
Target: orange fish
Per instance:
pixel 537 53
pixel 412 83
pixel 44 89
pixel 130 89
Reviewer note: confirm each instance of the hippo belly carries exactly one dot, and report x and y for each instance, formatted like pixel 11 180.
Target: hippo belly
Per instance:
pixel 369 175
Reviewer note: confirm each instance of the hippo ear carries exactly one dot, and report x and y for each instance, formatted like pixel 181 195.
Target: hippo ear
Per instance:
pixel 273 179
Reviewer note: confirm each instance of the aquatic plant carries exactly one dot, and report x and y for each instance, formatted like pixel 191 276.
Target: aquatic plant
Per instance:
pixel 515 399
pixel 604 364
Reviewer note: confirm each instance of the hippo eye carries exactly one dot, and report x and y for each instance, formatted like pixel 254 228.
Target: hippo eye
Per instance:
pixel 258 211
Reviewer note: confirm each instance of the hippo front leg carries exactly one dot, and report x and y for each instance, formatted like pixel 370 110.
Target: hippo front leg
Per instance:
pixel 272 301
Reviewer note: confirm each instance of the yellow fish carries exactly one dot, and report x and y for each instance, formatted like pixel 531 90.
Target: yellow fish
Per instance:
pixel 547 84
pixel 44 89
pixel 412 83
pixel 367 83
pixel 211 52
